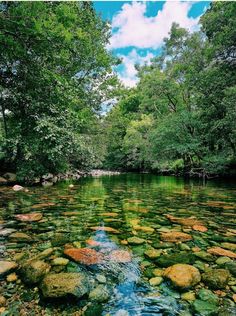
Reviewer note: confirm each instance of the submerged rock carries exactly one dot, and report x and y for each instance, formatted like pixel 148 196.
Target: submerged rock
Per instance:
pixel 100 293
pixel 122 256
pixel 231 266
pixel 183 275
pixel 18 236
pixel 7 266
pixel 31 217
pixel 34 270
pixel 188 296
pixel 106 229
pixel 136 240
pixel 217 251
pixel 181 257
pixel 156 281
pixel 184 221
pixel 216 278
pixel 62 284
pixel 60 261
pixel 175 236
pixel 204 308
pixel 86 256
pixel 153 253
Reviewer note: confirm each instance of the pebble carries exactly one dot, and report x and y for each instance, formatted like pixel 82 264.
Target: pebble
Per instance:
pixel 12 277
pixel 155 281
pixel 60 261
pixel 188 296
pixel 101 278
pixel 2 301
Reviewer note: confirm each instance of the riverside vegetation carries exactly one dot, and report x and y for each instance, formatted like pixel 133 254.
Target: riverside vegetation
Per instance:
pixel 56 77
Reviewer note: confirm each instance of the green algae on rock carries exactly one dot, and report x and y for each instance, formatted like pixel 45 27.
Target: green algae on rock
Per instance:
pixel 62 284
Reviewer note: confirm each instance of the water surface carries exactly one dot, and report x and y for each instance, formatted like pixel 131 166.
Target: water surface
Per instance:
pixel 131 205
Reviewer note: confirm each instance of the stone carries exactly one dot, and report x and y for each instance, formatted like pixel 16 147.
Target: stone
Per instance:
pixel 204 308
pixel 157 272
pixel 77 244
pixel 44 254
pixel 121 256
pixel 7 266
pixel 2 180
pixel 231 266
pixel 145 229
pixel 18 236
pixel 33 271
pixel 71 186
pixel 2 301
pixel 135 240
pixel 217 251
pixel 208 296
pixel 204 256
pixel 184 247
pixel 6 231
pixel 62 284
pixel 188 296
pixel 228 246
pixel 183 275
pixel 106 229
pixel 31 217
pixel 234 298
pixel 216 278
pixel 180 257
pixel 17 187
pixel 163 245
pixel 156 281
pixel 12 277
pixel 175 237
pixel 60 261
pixel 85 256
pixel 153 253
pixel 200 228
pixel 184 221
pixel 222 260
pixel 11 177
pixel 100 294
pixel 101 278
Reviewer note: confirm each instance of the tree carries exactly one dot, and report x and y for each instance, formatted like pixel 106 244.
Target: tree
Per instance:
pixel 55 70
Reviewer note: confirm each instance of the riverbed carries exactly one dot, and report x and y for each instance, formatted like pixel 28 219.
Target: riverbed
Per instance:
pixel 120 245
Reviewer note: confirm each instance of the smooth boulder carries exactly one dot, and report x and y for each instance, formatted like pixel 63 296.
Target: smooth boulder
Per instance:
pixel 183 275
pixel 62 284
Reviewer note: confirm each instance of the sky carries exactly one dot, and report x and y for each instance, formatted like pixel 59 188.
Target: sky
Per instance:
pixel 138 29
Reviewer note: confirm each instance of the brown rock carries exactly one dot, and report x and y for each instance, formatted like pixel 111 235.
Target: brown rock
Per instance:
pixel 106 229
pixel 7 266
pixel 31 217
pixel 121 256
pixel 2 180
pixel 184 221
pixel 175 237
pixel 183 275
pixel 109 214
pixel 217 251
pixel 93 243
pixel 200 228
pixel 86 256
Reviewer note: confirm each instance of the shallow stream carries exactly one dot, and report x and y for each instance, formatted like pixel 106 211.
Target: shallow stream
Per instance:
pixel 135 227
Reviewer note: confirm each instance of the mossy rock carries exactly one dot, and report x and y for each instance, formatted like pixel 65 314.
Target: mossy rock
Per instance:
pixel 169 260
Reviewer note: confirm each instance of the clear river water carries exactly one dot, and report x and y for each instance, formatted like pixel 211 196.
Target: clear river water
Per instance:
pixel 108 242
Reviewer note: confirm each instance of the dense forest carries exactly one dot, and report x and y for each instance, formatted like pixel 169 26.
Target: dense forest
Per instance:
pixel 56 74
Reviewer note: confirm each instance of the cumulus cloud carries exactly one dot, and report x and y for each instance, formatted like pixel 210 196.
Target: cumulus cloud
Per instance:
pixel 128 74
pixel 131 27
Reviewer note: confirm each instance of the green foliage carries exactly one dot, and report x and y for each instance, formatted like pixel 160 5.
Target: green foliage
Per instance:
pixel 55 73
pixel 188 94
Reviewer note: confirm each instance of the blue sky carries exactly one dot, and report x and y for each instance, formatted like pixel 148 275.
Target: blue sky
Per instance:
pixel 138 28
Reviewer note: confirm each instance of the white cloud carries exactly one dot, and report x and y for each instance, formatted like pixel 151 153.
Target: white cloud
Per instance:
pixel 129 74
pixel 132 28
